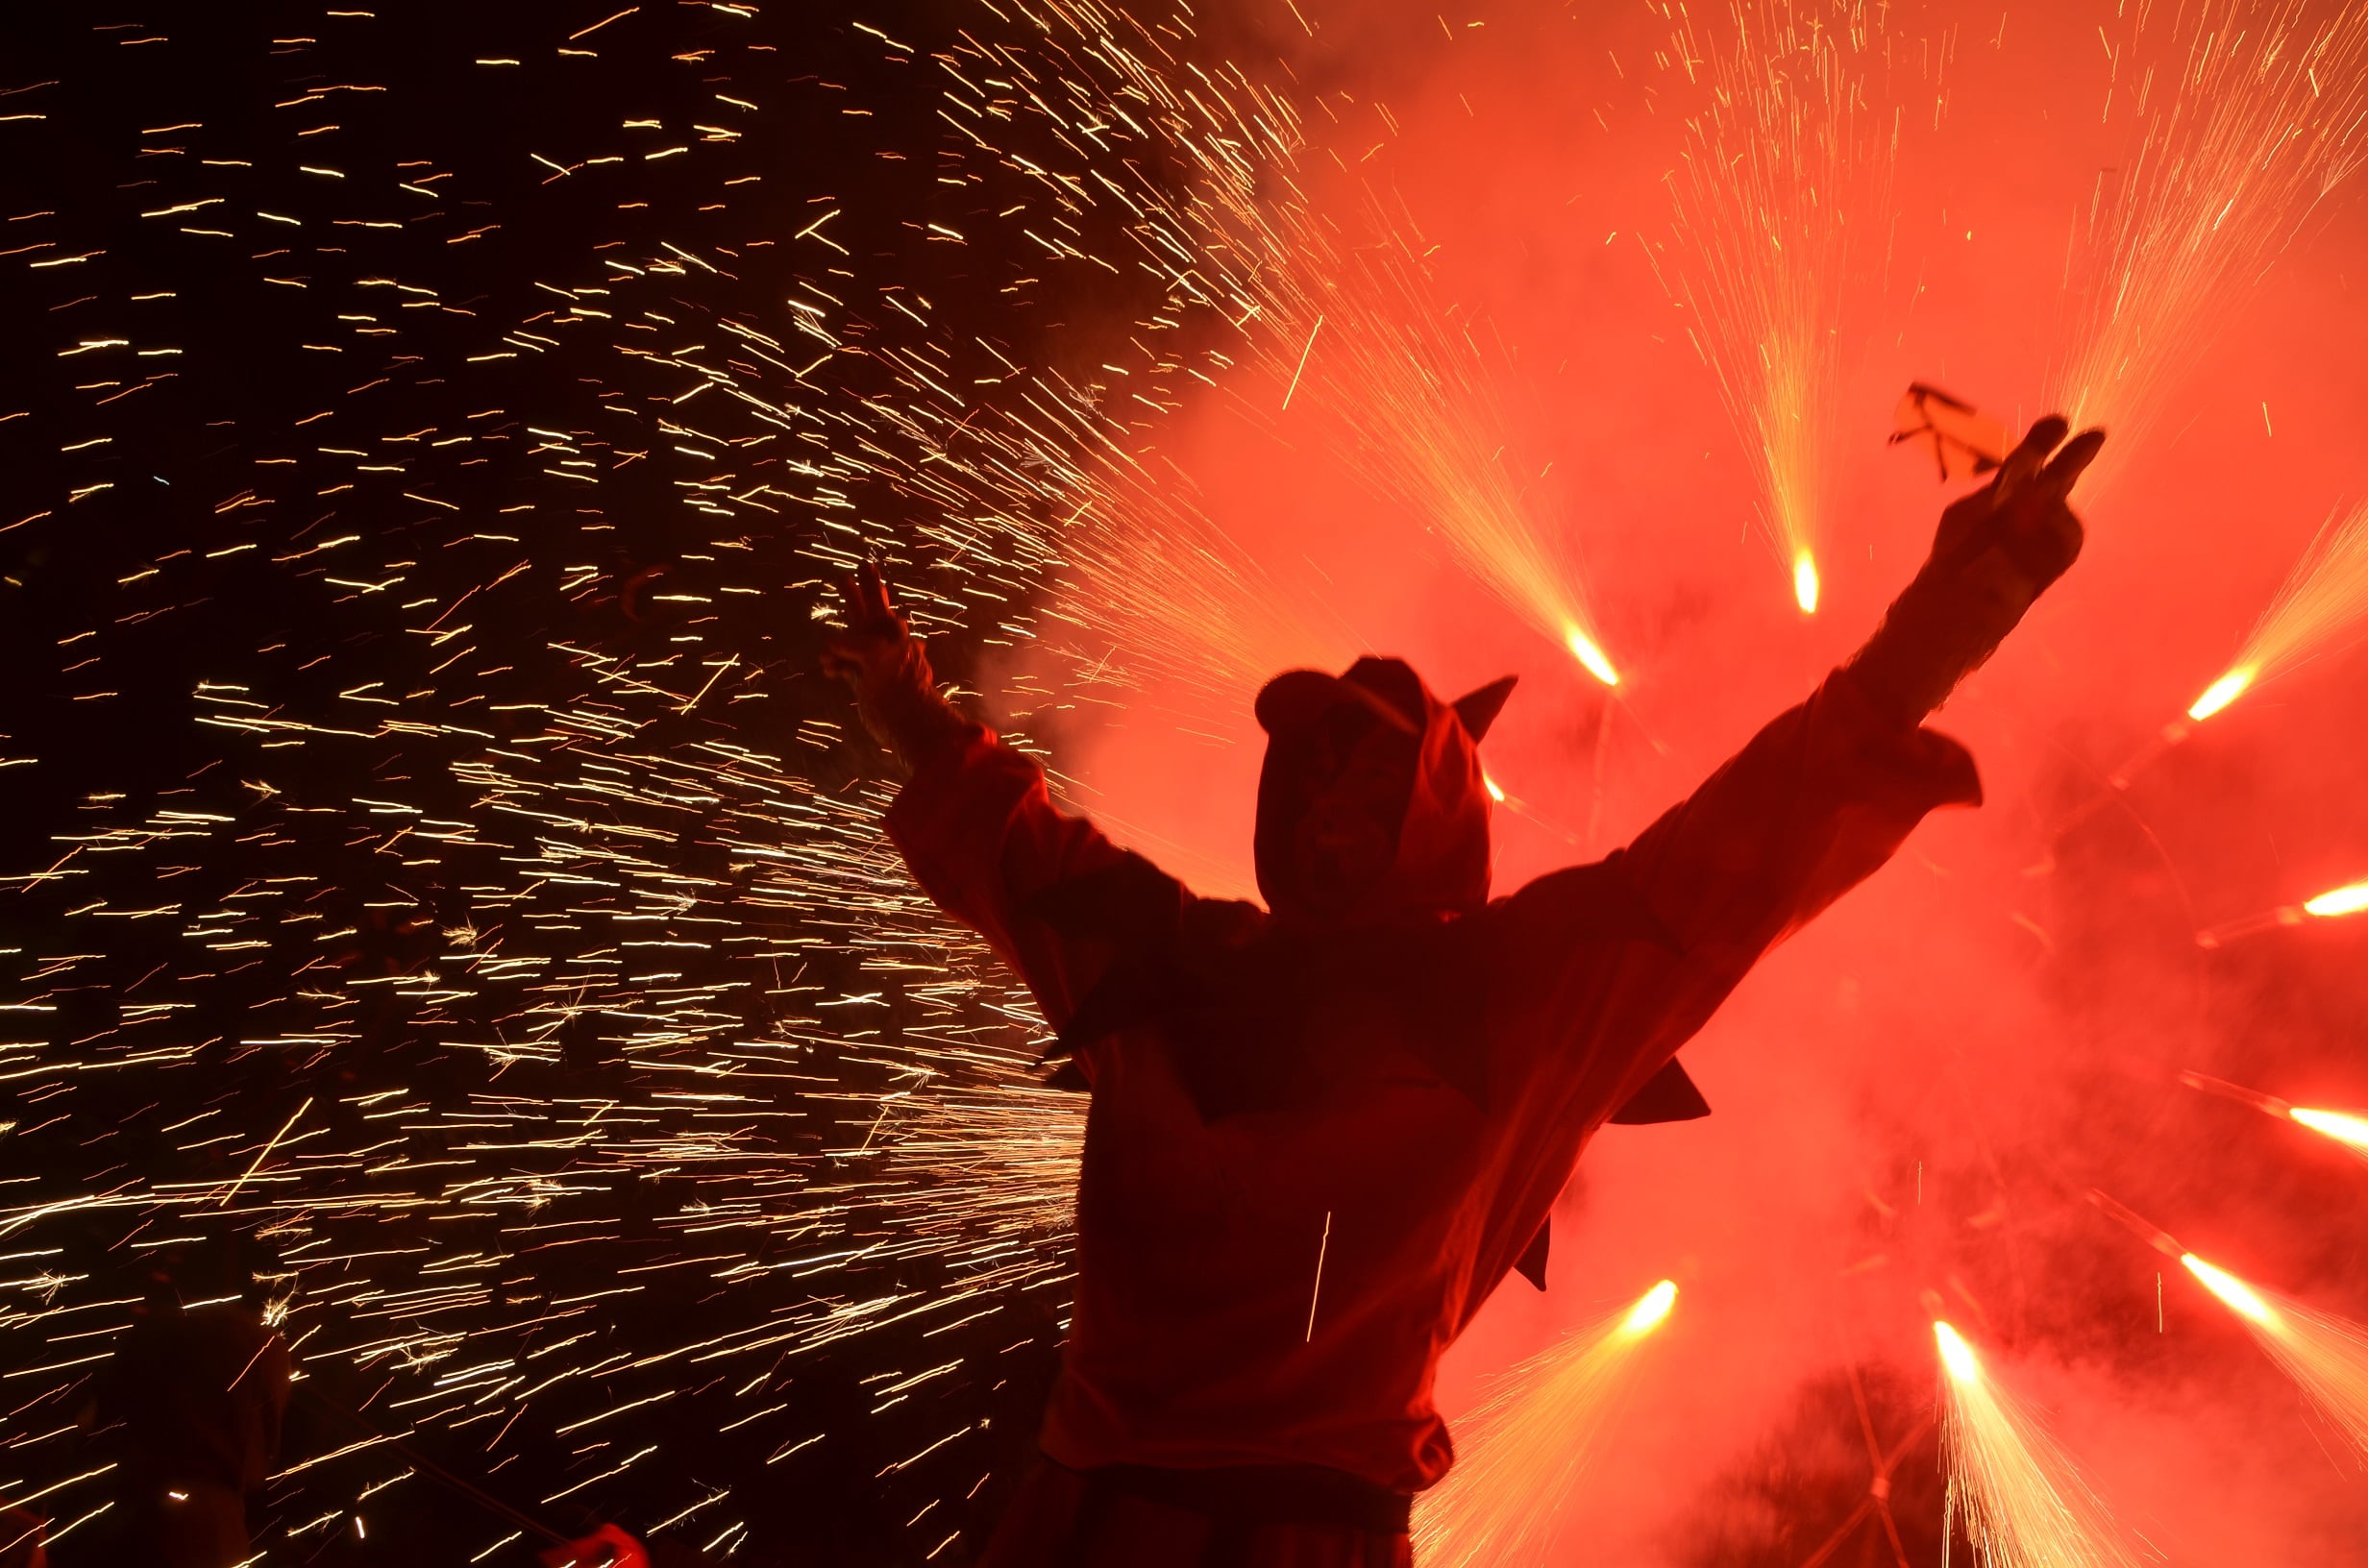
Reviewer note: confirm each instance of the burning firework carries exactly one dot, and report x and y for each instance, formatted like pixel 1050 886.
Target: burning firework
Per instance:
pixel 2334 904
pixel 2325 1355
pixel 1782 209
pixel 1416 405
pixel 2343 1126
pixel 1531 1441
pixel 2019 1497
pixel 2321 608
pixel 2243 137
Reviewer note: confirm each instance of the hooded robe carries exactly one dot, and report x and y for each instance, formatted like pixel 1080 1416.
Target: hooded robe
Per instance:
pixel 1312 1152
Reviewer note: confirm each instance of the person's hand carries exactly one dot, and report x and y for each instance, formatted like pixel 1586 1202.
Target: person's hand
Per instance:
pixel 1997 550
pixel 883 664
pixel 874 647
pixel 2024 511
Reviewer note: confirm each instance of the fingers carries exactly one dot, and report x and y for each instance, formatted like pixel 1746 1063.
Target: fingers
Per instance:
pixel 2058 478
pixel 2030 455
pixel 874 587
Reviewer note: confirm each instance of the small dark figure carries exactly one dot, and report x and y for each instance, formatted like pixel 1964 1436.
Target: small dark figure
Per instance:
pixel 1322 1132
pixel 197 1394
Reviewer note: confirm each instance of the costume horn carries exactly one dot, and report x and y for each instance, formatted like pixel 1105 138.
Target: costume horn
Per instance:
pixel 1479 708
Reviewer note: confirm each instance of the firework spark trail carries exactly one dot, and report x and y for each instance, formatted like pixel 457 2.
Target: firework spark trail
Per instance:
pixel 1782 209
pixel 2020 1499
pixel 2244 135
pixel 2325 1355
pixel 1532 1439
pixel 2321 608
pixel 2345 1128
pixel 633 1018
pixel 1417 404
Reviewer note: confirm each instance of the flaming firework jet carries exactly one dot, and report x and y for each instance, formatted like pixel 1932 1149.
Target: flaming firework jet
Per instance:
pixel 2321 608
pixel 2332 905
pixel 1414 401
pixel 2022 1501
pixel 2243 137
pixel 1531 1441
pixel 2325 1355
pixel 1782 206
pixel 2345 1127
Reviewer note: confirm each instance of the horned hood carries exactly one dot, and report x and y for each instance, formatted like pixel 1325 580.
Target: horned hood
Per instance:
pixel 1441 864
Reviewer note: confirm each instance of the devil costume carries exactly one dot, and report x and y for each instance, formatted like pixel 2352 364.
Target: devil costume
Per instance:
pixel 1314 1148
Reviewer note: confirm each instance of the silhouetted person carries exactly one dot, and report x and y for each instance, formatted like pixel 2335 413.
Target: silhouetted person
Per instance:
pixel 198 1393
pixel 1322 1132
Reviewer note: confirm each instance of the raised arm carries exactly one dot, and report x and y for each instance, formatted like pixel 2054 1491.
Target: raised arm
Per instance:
pixel 974 821
pixel 1812 806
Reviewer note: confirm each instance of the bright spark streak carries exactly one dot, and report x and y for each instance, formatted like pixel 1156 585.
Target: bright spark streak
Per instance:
pixel 1583 649
pixel 1495 791
pixel 2350 900
pixel 2022 1501
pixel 1804 582
pixel 1527 1446
pixel 1300 369
pixel 2220 694
pixel 2325 1355
pixel 2234 1293
pixel 2335 1124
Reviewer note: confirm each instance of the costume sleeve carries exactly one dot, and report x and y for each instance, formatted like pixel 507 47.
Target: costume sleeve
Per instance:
pixel 980 832
pixel 1612 966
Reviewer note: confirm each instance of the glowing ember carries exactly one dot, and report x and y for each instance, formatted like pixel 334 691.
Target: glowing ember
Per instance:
pixel 1529 1443
pixel 2018 1496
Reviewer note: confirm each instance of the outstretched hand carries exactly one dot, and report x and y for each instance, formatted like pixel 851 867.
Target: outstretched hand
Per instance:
pixel 2025 509
pixel 883 664
pixel 1997 550
pixel 874 645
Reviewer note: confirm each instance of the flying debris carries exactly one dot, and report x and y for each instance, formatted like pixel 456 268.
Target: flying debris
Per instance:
pixel 1527 1446
pixel 1963 440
